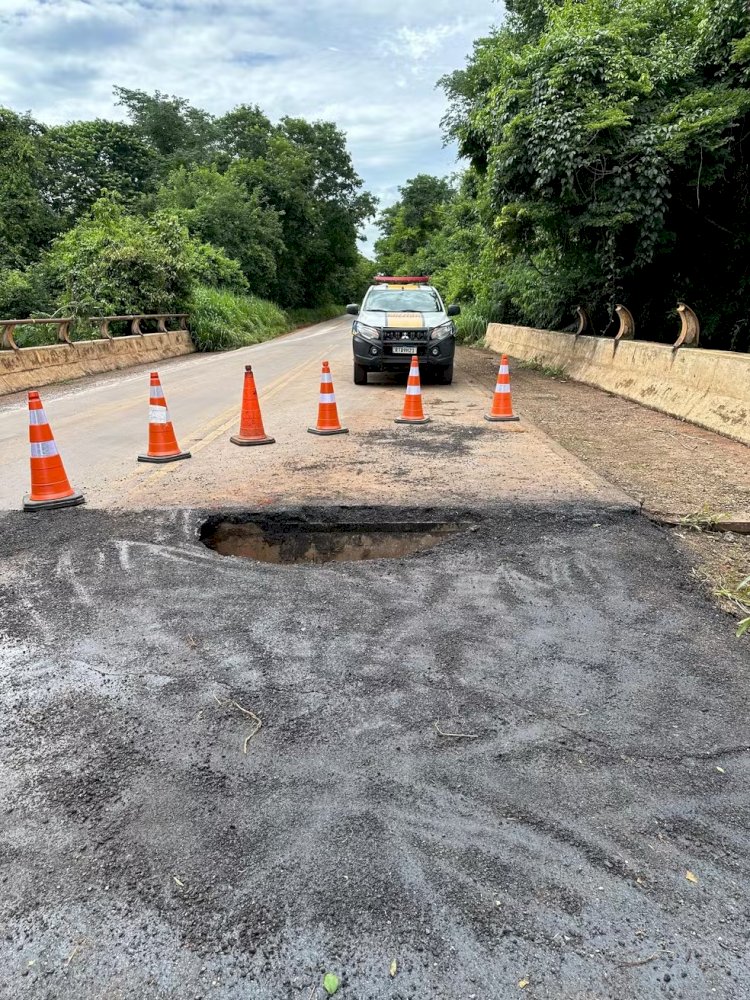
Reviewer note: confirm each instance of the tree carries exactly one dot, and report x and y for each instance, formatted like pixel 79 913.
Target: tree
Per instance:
pixel 408 226
pixel 612 141
pixel 220 209
pixel 244 132
pixel 114 263
pixel 26 221
pixel 179 133
pixel 83 160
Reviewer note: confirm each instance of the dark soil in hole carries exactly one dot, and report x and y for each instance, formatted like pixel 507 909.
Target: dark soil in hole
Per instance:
pixel 320 538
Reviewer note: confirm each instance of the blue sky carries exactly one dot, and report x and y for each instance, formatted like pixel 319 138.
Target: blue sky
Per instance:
pixel 370 66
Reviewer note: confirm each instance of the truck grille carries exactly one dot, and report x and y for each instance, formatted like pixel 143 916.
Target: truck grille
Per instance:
pixel 405 336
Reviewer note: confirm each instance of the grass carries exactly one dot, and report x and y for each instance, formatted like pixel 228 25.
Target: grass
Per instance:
pixel 471 325
pixel 738 595
pixel 549 371
pixel 704 519
pixel 221 321
pixel 304 317
pixel 45 336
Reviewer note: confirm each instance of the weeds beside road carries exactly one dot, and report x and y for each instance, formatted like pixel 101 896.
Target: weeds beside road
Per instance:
pixel 221 320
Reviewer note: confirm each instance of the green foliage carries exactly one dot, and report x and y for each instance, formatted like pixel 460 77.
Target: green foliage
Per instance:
pixel 408 225
pixel 306 317
pixel 221 320
pixel 114 263
pixel 85 160
pixel 220 209
pixel 355 281
pixel 610 161
pixel 234 201
pixel 330 983
pixel 26 221
pixel 20 294
pixel 178 133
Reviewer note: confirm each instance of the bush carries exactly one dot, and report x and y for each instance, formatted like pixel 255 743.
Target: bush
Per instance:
pixel 114 263
pixel 471 325
pixel 19 294
pixel 221 320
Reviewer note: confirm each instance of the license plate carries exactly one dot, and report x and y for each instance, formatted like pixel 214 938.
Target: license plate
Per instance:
pixel 404 350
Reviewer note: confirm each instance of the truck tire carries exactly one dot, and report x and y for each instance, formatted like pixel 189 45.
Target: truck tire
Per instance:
pixel 446 375
pixel 360 374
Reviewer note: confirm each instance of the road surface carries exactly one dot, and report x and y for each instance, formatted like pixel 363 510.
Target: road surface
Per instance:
pixel 100 425
pixel 513 764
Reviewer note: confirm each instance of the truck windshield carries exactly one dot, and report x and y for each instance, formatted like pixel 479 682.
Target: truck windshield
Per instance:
pixel 403 300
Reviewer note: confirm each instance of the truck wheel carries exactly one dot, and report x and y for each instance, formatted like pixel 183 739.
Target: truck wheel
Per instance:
pixel 360 374
pixel 446 375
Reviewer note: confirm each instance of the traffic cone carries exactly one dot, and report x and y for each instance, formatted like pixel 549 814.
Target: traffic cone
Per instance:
pixel 50 486
pixel 162 443
pixel 328 415
pixel 502 404
pixel 251 422
pixel 413 412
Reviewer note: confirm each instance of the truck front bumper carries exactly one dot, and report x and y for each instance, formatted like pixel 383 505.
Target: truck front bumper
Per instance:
pixel 377 356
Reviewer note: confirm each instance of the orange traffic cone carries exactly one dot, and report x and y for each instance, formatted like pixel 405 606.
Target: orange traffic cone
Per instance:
pixel 413 412
pixel 328 415
pixel 251 422
pixel 502 404
pixel 162 443
pixel 50 486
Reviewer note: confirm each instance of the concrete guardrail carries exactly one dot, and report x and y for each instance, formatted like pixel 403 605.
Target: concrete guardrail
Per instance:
pixel 24 368
pixel 707 388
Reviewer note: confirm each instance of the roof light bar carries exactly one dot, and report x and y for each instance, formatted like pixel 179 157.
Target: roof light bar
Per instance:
pixel 421 280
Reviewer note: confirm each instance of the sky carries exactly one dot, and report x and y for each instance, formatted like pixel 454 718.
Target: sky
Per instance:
pixel 369 65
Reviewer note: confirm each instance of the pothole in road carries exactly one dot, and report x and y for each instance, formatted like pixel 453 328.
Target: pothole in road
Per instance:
pixel 322 536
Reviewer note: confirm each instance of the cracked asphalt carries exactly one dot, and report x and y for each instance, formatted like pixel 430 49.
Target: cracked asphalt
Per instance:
pixel 603 707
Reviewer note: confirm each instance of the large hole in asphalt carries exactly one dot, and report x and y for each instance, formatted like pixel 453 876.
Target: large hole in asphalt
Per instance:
pixel 325 536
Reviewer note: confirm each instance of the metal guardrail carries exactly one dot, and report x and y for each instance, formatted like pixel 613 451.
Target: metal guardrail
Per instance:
pixel 690 327
pixel 64 323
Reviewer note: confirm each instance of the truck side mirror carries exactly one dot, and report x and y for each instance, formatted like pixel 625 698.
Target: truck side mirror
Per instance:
pixel 454 310
pixel 353 309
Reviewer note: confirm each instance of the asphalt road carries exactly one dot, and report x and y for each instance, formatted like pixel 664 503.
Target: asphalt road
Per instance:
pixel 515 764
pixel 143 854
pixel 100 425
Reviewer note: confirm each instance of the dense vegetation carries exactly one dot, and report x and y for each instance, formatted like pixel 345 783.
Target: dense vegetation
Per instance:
pixel 176 210
pixel 609 161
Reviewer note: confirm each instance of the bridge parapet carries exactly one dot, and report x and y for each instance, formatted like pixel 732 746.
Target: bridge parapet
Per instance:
pixel 66 324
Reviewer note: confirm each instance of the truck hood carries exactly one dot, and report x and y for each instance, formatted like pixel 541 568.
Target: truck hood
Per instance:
pixel 403 320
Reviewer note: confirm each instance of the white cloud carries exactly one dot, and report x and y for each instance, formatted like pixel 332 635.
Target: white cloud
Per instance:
pixel 419 43
pixel 369 66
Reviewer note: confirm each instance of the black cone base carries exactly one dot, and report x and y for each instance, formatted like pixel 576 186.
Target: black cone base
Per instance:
pixel 161 459
pixel 71 501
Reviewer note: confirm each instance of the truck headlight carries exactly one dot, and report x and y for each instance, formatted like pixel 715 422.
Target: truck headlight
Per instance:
pixel 444 330
pixel 368 332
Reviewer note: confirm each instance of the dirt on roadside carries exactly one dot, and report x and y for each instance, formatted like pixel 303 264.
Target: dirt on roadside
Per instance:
pixel 673 468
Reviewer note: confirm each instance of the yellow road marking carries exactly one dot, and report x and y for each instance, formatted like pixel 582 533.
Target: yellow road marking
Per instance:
pixel 273 389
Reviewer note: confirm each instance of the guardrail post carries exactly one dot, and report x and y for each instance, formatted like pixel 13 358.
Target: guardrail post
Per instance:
pixel 8 341
pixel 627 324
pixel 690 331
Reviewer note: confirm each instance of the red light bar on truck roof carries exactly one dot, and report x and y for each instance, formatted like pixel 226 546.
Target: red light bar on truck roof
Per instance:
pixel 422 280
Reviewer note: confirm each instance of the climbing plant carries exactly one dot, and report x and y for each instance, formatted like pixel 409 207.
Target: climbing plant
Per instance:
pixel 610 142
